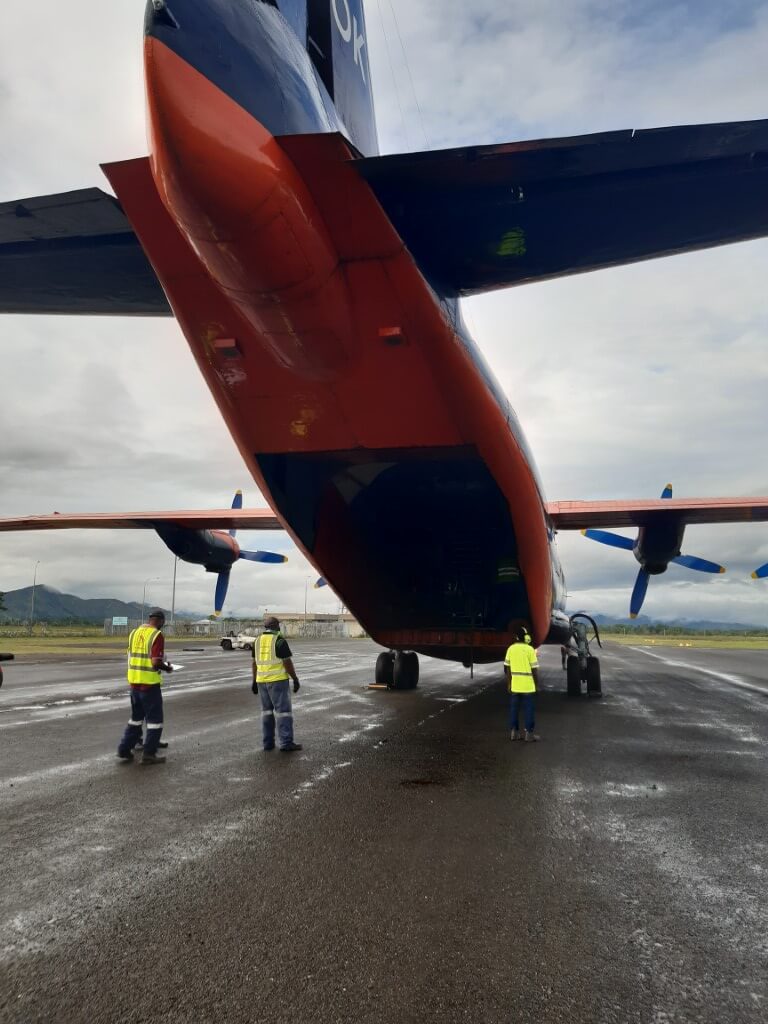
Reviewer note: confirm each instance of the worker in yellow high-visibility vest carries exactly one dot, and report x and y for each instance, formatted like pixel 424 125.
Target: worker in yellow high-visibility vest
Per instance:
pixel 146 664
pixel 272 670
pixel 521 671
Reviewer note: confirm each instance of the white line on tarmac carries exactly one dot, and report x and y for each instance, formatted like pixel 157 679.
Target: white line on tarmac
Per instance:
pixel 74 767
pixel 726 677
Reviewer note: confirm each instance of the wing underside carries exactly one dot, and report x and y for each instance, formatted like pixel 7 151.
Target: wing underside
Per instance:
pixel 213 519
pixel 584 515
pixel 487 217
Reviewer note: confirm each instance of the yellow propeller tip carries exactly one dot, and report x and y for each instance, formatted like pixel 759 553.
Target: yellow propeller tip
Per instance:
pixel 633 615
pixel 584 533
pixel 668 487
pixel 216 615
pixel 722 569
pixel 238 492
pixel 755 576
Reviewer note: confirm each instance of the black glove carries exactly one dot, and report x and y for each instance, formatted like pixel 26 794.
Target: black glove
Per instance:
pixel 254 687
pixel 296 685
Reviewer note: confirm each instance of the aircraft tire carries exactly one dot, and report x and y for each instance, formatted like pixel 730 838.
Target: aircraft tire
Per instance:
pixel 385 666
pixel 406 671
pixel 594 684
pixel 573 676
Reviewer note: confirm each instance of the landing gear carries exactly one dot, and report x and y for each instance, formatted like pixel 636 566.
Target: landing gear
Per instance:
pixel 385 668
pixel 573 676
pixel 397 670
pixel 406 671
pixel 594 684
pixel 581 666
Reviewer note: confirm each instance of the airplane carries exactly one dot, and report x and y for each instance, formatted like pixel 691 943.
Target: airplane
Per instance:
pixel 656 546
pixel 318 285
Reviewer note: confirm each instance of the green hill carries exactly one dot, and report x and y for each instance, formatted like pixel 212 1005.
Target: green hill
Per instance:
pixel 53 606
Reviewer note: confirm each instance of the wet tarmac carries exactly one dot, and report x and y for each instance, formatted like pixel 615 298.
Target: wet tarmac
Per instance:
pixel 410 864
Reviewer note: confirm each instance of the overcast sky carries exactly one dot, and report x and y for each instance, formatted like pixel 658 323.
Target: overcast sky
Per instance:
pixel 623 380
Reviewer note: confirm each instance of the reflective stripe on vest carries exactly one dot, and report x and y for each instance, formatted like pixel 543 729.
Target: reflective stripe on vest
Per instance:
pixel 269 668
pixel 140 671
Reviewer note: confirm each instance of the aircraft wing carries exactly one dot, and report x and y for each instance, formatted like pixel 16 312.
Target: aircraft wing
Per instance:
pixel 214 519
pixel 583 515
pixel 486 217
pixel 74 253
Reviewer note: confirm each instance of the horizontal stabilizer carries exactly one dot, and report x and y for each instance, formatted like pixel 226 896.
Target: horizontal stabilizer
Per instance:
pixel 487 217
pixel 74 253
pixel 214 519
pixel 585 515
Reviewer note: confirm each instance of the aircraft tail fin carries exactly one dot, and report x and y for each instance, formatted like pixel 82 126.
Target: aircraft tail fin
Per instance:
pixel 337 43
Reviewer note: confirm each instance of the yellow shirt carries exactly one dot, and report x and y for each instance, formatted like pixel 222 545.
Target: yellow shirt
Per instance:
pixel 520 659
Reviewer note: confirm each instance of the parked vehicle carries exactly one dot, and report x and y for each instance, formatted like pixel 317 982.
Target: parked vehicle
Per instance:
pixel 238 642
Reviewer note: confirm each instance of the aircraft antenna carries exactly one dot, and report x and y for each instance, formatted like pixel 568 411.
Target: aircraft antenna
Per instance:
pixel 410 76
pixel 392 73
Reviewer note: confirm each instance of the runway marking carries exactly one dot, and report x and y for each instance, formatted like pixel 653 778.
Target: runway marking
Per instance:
pixel 74 767
pixel 726 677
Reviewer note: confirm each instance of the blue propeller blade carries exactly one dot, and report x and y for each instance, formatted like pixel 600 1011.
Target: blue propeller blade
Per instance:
pixel 761 573
pixel 613 540
pixel 667 492
pixel 237 502
pixel 638 594
pixel 263 556
pixel 322 582
pixel 222 585
pixel 699 564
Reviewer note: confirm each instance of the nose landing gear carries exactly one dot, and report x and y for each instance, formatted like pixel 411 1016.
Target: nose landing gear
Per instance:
pixel 580 665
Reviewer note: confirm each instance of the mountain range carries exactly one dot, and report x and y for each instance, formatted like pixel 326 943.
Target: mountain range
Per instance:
pixel 53 606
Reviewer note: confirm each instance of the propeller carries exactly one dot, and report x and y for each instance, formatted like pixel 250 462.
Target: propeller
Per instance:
pixel 761 573
pixel 640 589
pixel 222 581
pixel 222 586
pixel 323 582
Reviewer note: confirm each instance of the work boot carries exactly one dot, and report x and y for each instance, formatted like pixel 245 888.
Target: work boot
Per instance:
pixel 515 734
pixel 531 737
pixel 139 745
pixel 291 746
pixel 127 756
pixel 151 759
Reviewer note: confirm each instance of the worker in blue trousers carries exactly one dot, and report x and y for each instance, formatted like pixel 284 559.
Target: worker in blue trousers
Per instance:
pixel 146 664
pixel 521 671
pixel 272 671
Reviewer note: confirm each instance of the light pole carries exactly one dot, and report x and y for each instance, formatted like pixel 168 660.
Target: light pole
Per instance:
pixel 32 599
pixel 149 579
pixel 306 584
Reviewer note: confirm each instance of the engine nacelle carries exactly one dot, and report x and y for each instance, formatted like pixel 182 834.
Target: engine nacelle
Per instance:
pixel 215 550
pixel 658 544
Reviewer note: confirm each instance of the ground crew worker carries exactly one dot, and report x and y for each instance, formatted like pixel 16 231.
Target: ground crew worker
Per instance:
pixel 272 668
pixel 521 671
pixel 146 664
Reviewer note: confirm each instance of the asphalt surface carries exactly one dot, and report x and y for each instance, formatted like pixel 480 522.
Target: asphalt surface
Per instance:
pixel 411 864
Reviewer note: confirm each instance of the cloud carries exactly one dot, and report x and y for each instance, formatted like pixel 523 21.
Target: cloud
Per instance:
pixel 622 379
